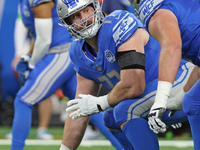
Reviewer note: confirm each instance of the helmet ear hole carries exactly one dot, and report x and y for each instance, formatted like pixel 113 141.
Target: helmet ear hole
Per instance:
pixel 67 20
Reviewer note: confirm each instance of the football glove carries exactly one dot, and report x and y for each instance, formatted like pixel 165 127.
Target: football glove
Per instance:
pixel 154 120
pixel 159 107
pixel 87 105
pixel 22 68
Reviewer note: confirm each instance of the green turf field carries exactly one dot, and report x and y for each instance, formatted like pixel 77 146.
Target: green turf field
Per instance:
pixel 85 148
pixel 57 132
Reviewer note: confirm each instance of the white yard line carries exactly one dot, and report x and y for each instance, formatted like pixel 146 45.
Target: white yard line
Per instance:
pixel 96 143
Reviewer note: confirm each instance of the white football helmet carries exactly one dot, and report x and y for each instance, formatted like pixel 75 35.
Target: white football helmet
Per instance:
pixel 66 8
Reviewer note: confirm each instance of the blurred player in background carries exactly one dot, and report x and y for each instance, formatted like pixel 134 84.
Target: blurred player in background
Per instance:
pixel 22 45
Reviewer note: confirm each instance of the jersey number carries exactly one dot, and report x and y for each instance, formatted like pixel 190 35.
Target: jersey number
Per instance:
pixel 108 76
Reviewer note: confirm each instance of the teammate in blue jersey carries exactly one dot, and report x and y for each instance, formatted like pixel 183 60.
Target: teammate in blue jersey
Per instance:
pixel 47 69
pixel 118 52
pixel 176 25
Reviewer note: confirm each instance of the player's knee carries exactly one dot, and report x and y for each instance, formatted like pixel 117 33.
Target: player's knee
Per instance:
pixel 18 103
pixel 191 106
pixel 109 120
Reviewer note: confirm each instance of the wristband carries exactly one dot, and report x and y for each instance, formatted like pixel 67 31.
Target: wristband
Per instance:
pixel 163 92
pixel 102 103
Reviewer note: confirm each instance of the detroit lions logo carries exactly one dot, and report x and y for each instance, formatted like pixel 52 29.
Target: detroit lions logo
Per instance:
pixel 147 8
pixel 71 3
pixel 124 26
pixel 109 56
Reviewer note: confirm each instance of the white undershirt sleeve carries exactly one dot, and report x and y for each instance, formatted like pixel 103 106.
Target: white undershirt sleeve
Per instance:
pixel 22 43
pixel 43 29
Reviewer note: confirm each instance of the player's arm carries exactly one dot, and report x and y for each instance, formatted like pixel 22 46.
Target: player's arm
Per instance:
pixel 163 26
pixel 74 129
pixel 43 27
pixel 132 80
pixel 131 84
pixel 86 86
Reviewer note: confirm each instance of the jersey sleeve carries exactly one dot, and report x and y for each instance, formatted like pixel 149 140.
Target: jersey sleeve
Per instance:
pixel 123 25
pixel 34 3
pixel 147 8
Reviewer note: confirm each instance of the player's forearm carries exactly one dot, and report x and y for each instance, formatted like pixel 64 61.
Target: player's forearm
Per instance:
pixel 74 131
pixel 123 91
pixel 168 67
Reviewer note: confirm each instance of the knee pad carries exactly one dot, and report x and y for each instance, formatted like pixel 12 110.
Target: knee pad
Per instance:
pixel 109 120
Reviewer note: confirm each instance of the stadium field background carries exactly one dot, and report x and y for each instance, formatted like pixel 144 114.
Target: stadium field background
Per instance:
pixel 166 143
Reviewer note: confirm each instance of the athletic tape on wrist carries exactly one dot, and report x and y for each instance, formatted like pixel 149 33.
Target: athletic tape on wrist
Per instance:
pixel 103 103
pixel 163 92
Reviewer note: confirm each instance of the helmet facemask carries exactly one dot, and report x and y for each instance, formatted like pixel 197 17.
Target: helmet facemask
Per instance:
pixel 86 27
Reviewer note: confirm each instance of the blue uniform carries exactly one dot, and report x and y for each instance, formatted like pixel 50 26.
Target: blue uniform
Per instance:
pixel 187 13
pixel 103 67
pixel 52 72
pixel 59 69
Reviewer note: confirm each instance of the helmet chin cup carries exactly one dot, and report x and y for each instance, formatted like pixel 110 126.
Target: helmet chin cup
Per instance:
pixel 66 8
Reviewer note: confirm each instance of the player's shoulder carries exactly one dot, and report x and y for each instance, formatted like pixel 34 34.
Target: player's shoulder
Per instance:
pixel 34 3
pixel 119 26
pixel 122 19
pixel 147 8
pixel 118 16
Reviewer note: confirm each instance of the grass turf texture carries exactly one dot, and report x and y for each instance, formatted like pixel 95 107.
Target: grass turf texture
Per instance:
pixel 57 133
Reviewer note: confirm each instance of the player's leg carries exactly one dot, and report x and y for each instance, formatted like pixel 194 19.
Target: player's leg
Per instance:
pixel 21 123
pixel 115 129
pixel 122 139
pixel 97 121
pixel 44 113
pixel 129 115
pixel 140 135
pixel 184 80
pixel 41 83
pixel 191 106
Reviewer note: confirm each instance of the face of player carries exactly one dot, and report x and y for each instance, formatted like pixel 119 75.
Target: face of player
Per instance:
pixel 83 19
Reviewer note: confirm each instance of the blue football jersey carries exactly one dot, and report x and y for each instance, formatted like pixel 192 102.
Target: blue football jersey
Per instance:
pixel 103 67
pixel 60 35
pixel 187 13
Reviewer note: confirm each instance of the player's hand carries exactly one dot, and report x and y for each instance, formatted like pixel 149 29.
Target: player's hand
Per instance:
pixel 87 105
pixel 154 120
pixel 23 69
